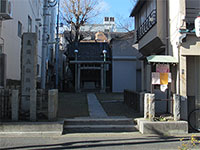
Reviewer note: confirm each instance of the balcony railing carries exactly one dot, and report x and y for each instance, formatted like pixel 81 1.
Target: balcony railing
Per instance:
pixel 150 21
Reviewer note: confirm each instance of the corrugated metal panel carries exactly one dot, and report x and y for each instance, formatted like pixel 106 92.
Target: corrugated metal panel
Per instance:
pixel 162 59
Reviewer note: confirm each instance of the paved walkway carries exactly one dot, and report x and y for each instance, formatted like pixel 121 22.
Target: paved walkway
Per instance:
pixel 95 108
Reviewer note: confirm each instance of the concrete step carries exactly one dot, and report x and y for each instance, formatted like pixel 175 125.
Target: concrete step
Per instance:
pixel 98 122
pixel 99 125
pixel 33 128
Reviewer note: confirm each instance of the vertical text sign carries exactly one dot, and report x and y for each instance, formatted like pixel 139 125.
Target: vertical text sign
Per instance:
pixel 28 67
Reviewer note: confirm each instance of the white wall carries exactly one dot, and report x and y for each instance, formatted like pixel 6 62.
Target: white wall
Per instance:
pixel 12 42
pixel 176 17
pixel 9 32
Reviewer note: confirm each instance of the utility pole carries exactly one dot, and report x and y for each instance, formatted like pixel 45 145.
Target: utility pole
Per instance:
pixel 44 44
pixel 57 44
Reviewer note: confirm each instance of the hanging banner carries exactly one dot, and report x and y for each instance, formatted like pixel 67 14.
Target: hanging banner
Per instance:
pixel 164 78
pixel 162 68
pixel 155 78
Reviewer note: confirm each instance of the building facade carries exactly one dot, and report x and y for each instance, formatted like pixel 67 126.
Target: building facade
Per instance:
pixel 166 28
pixel 27 16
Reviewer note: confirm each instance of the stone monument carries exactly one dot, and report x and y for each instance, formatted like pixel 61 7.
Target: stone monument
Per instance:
pixel 28 70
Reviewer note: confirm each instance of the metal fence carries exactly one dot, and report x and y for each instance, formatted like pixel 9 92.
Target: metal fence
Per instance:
pixel 150 21
pixel 5 104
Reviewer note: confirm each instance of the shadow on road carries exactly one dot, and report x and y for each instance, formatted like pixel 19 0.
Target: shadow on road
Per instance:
pixel 99 143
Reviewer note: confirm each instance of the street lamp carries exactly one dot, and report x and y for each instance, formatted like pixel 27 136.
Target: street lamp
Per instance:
pixel 76 51
pixel 76 70
pixel 104 54
pixel 104 69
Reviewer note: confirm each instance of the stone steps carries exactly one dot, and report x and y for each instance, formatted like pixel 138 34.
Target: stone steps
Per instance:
pixel 99 125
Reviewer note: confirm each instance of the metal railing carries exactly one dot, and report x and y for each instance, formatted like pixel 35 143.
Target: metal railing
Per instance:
pixel 150 21
pixel 5 104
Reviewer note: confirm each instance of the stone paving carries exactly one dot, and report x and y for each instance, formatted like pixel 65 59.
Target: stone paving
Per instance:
pixel 95 108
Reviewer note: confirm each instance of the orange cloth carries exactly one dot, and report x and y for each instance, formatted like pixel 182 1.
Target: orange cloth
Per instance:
pixel 164 78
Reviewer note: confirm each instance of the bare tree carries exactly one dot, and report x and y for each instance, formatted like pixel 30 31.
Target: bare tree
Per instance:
pixel 76 13
pixel 125 23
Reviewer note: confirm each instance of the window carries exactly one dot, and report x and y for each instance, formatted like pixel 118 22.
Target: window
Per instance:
pixel 29 24
pixel 112 19
pixel 106 19
pixel 19 32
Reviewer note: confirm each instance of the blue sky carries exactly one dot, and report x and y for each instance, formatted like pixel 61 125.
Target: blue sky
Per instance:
pixel 116 8
pixel 123 7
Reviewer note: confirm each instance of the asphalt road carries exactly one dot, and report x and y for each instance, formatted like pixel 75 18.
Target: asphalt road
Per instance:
pixel 93 141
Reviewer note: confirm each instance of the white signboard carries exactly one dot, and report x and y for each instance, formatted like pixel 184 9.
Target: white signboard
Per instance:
pixel 155 78
pixel 197 26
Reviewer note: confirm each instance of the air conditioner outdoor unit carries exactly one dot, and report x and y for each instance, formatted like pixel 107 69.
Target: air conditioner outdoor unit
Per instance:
pixel 5 9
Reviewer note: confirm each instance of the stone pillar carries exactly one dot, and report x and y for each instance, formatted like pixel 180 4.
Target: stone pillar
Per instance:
pixel 52 104
pixel 151 106
pixel 33 105
pixel 142 103
pixel 146 105
pixel 176 107
pixel 79 78
pixel 28 68
pixel 76 77
pixel 102 78
pixel 15 105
